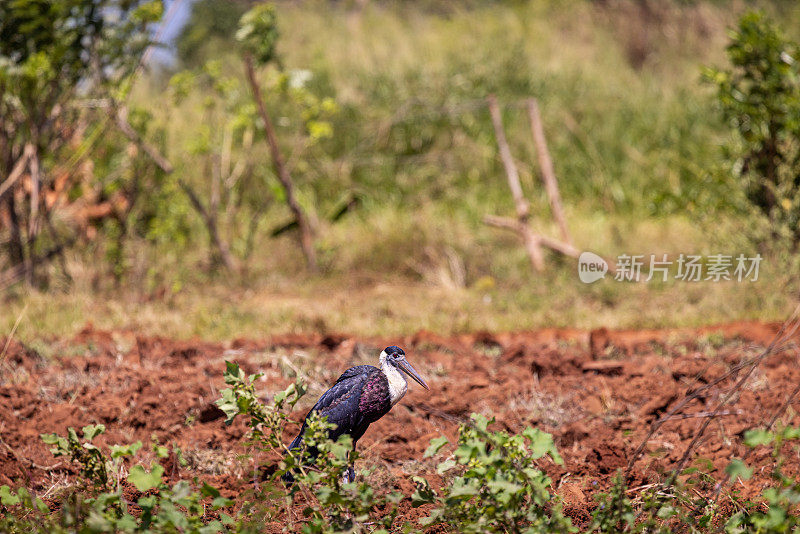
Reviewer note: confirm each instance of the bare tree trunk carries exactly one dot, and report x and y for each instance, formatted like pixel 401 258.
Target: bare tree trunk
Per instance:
pixel 546 165
pixel 16 248
pixel 16 244
pixel 306 234
pixel 530 239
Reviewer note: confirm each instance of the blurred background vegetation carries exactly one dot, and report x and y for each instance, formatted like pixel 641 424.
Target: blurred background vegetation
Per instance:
pixel 159 206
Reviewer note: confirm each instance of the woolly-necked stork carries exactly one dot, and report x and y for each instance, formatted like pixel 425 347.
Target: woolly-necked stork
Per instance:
pixel 361 396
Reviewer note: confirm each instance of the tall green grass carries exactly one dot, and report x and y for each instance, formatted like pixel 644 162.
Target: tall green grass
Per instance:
pixel 633 132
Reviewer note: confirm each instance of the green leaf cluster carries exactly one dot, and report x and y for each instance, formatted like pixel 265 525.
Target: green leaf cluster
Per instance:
pixel 759 95
pixel 499 486
pixel 258 32
pixel 98 503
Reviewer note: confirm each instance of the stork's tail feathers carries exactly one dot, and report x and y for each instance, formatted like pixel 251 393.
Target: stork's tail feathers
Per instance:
pixel 296 442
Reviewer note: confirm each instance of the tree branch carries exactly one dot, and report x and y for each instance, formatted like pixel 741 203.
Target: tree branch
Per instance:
pixel 16 172
pixel 546 165
pixel 211 225
pixel 531 240
pixel 306 236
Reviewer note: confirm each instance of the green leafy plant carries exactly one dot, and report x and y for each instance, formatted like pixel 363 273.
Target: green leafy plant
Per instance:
pixel 781 499
pixel 500 487
pixel 104 508
pixel 614 511
pixel 54 56
pixel 760 97
pixel 87 455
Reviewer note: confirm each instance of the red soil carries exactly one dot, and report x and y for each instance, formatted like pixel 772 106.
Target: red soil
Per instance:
pixel 597 392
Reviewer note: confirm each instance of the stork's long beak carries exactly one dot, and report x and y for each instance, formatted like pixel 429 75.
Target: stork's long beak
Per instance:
pixel 410 371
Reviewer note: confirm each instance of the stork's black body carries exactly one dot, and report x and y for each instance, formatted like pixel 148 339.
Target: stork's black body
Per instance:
pixel 362 395
pixel 358 398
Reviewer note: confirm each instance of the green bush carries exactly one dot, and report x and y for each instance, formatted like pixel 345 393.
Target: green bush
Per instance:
pixel 501 488
pixel 781 499
pixel 760 97
pixel 101 506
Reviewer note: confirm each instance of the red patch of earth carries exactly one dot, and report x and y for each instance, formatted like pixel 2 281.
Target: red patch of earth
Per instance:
pixel 597 392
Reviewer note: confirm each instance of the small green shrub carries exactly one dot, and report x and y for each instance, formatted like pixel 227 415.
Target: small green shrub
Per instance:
pixel 615 511
pixel 760 97
pixel 101 505
pixel 500 489
pixel 88 456
pixel 781 499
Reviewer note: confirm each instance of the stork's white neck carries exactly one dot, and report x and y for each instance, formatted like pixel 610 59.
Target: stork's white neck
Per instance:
pixel 397 381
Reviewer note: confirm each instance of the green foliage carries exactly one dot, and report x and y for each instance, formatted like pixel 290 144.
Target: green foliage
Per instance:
pixel 237 185
pixel 87 455
pixel 54 57
pixel 20 512
pixel 258 32
pixel 501 488
pixel 614 512
pixel 211 23
pixel 760 97
pixel 98 504
pixel 781 499
pixel 338 506
pixel 265 422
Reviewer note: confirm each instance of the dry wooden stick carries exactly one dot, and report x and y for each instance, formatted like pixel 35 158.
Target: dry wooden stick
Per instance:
pixel 531 240
pixel 306 235
pixel 511 224
pixel 546 165
pixel 16 172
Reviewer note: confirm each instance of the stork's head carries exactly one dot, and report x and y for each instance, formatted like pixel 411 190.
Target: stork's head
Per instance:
pixel 396 357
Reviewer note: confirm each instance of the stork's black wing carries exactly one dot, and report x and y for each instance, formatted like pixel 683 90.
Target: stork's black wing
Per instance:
pixel 340 404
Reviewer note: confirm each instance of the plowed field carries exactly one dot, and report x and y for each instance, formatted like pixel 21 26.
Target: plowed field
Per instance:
pixel 597 392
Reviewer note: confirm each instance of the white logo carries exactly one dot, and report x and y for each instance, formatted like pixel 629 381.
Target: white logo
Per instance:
pixel 591 267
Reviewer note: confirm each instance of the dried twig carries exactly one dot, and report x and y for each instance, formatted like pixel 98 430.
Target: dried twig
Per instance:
pixel 121 114
pixel 700 392
pixel 778 344
pixel 548 173
pixel 13 331
pixel 16 172
pixel 774 419
pixel 704 414
pixel 530 239
pixel 210 219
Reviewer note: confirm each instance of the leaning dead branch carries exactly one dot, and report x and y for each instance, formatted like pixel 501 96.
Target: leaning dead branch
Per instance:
pixel 210 219
pixel 531 239
pixel 521 225
pixel 548 173
pixel 553 244
pixel 17 171
pixel 121 118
